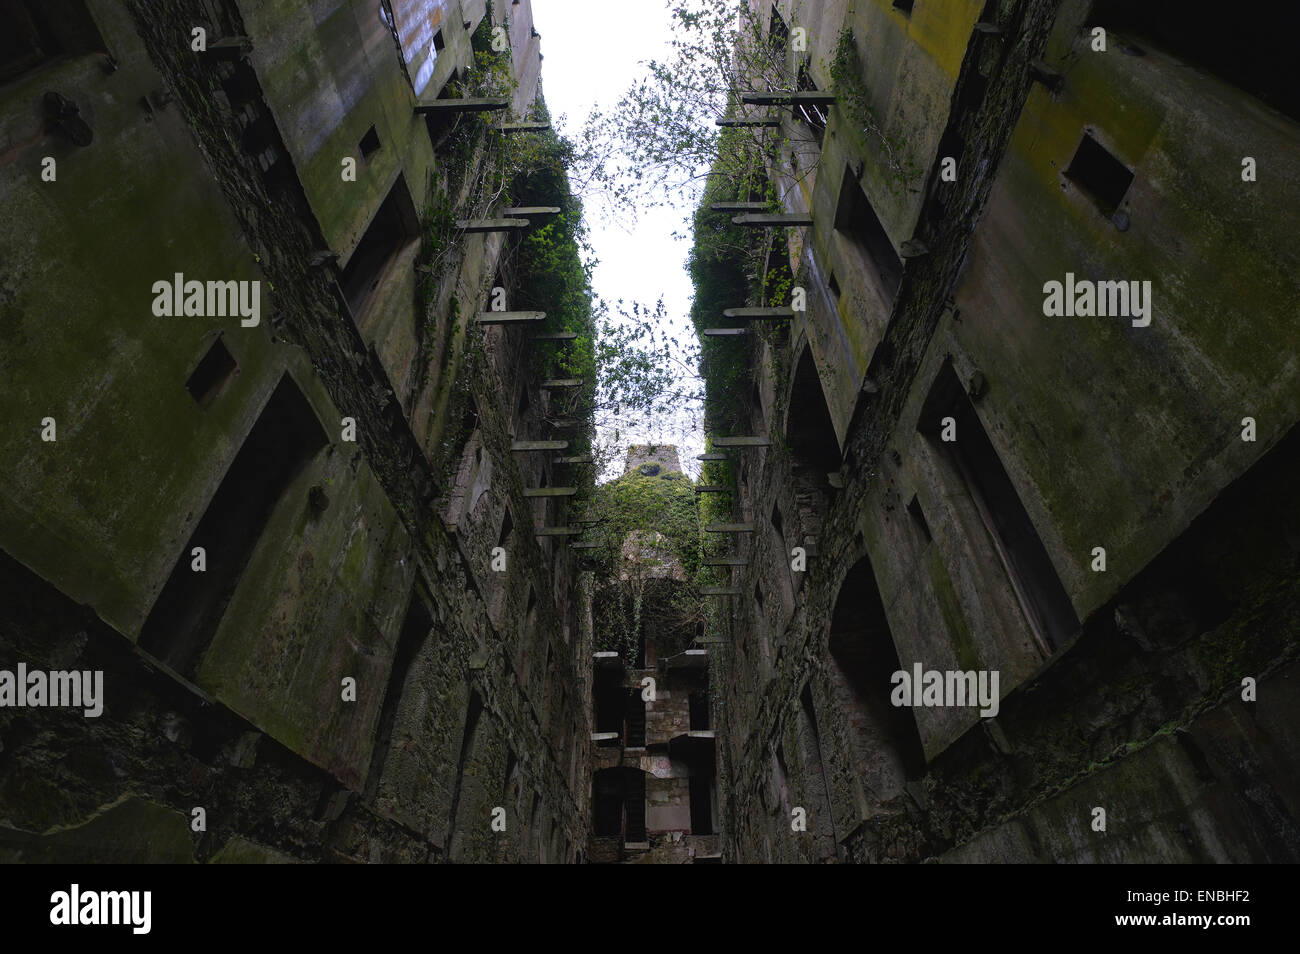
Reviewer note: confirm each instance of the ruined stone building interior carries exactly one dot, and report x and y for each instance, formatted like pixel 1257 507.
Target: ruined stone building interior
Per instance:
pixel 299 485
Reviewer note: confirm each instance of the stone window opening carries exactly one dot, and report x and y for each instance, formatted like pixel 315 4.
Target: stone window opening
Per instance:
pixel 778 34
pixel 213 372
pixel 416 626
pixel 884 739
pixel 780 782
pixel 858 224
pixel 618 804
pixel 530 614
pixel 972 456
pixel 817 794
pixel 369 144
pixel 507 525
pixel 34 32
pixel 634 730
pixel 473 717
pixel 784 574
pixel 760 629
pixel 1099 174
pixel 395 226
pixel 814 447
pixel 699 710
pixel 608 702
pixel 700 796
pixel 186 614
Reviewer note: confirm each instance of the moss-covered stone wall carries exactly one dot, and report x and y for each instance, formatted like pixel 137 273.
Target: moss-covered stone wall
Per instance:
pixel 357 700
pixel 1111 435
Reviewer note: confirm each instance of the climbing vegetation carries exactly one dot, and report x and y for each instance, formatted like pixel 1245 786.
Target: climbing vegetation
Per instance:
pixel 854 102
pixel 649 551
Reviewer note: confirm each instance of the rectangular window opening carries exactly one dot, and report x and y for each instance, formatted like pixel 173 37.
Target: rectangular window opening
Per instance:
pixel 1037 586
pixel 883 738
pixel 608 703
pixel 904 6
pixel 185 617
pixel 699 710
pixel 468 753
pixel 441 126
pixel 415 627
pixel 701 800
pixel 857 221
pixel 635 720
pixel 211 375
pixel 369 143
pixel 1098 173
pixel 951 145
pixel 394 225
pixel 816 788
pixel 607 809
pixel 33 32
pixel 635 807
pixel 781 779
pixel 778 34
pixel 974 89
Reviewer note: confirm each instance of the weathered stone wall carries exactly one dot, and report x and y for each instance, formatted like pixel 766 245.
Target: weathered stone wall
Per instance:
pixel 1105 438
pixel 662 455
pixel 668 715
pixel 351 575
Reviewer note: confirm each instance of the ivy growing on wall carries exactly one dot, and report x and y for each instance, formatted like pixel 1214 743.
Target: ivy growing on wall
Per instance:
pixel 723 262
pixel 649 551
pixel 853 101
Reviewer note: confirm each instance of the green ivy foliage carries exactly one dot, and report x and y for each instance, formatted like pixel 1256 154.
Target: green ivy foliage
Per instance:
pixel 663 611
pixel 854 101
pixel 731 266
pixel 720 266
pixel 644 502
pixel 662 502
pixel 549 271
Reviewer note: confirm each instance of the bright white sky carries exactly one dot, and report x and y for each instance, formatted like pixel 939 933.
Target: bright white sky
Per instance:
pixel 593 50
